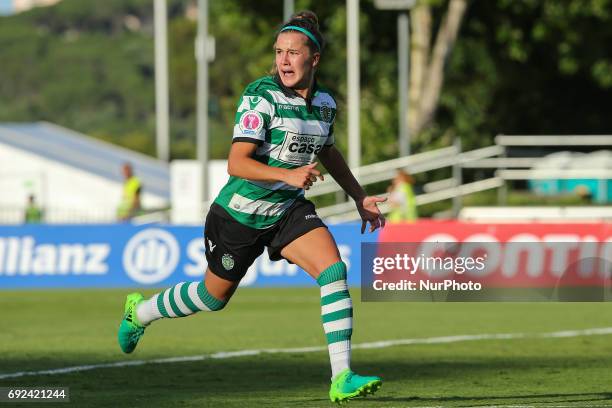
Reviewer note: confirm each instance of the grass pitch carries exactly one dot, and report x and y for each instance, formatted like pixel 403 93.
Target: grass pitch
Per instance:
pixel 42 330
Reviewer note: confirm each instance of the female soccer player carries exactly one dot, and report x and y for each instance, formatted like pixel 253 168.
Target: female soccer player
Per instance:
pixel 284 122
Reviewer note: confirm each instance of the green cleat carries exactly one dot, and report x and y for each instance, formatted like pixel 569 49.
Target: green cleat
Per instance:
pixel 130 329
pixel 348 385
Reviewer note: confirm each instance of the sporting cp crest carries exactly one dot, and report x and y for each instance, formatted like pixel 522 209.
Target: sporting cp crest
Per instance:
pixel 326 112
pixel 227 261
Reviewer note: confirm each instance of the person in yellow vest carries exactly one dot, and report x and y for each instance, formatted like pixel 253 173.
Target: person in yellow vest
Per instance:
pixel 401 198
pixel 33 213
pixel 130 205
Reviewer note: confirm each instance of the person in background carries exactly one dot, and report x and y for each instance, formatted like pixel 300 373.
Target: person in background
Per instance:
pixel 584 193
pixel 401 198
pixel 130 205
pixel 33 212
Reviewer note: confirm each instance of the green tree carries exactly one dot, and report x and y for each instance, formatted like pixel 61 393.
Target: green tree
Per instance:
pixel 517 66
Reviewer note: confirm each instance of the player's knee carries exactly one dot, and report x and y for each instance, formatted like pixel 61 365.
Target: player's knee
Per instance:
pixel 333 273
pixel 338 268
pixel 215 301
pixel 219 307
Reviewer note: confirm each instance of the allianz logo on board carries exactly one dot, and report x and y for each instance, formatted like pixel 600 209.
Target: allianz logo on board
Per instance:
pixel 21 256
pixel 151 256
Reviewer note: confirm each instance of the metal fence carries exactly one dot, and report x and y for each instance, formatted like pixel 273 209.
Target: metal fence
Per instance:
pixel 493 160
pixel 505 169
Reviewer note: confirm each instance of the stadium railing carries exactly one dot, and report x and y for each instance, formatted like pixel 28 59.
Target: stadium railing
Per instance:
pixel 492 157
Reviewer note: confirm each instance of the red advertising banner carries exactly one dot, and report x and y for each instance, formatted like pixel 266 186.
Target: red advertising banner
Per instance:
pixel 497 255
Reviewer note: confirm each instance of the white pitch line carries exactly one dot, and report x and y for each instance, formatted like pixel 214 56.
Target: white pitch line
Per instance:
pixel 539 405
pixel 370 345
pixel 532 406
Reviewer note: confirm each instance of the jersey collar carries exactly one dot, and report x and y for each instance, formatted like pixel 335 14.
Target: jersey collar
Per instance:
pixel 291 93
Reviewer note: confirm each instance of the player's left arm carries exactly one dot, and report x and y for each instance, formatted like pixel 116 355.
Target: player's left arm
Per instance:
pixel 333 161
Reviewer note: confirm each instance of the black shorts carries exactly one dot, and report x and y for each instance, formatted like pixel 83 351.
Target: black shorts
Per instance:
pixel 232 247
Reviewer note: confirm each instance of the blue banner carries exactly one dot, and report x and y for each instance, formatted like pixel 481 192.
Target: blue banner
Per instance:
pixel 53 256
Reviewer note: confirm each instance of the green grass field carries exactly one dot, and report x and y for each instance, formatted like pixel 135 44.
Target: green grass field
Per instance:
pixel 42 330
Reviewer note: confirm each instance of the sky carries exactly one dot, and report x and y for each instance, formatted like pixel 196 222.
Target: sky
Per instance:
pixel 6 7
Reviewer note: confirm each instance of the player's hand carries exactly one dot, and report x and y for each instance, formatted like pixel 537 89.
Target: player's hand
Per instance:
pixel 369 212
pixel 303 177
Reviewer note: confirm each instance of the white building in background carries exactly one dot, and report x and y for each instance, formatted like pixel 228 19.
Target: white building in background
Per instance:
pixel 186 189
pixel 75 178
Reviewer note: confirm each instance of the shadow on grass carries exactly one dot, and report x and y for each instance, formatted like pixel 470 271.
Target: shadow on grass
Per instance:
pixel 300 379
pixel 531 398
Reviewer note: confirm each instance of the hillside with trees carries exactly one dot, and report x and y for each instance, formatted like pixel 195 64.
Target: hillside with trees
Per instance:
pixel 533 67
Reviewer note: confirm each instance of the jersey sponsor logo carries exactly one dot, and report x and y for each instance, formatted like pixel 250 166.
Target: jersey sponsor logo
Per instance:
pixel 251 122
pixel 151 256
pixel 311 216
pixel 282 106
pixel 300 149
pixel 326 112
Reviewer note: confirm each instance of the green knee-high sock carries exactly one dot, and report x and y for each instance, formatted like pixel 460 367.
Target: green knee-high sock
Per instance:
pixel 181 300
pixel 337 316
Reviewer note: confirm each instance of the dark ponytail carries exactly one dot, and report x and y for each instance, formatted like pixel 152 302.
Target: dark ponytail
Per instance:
pixel 308 21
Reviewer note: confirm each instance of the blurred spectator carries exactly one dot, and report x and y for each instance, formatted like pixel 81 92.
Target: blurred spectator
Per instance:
pixel 33 213
pixel 401 198
pixel 585 194
pixel 130 201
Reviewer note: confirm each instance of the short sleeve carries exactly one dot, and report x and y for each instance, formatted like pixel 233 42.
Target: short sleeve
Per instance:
pixel 328 108
pixel 331 139
pixel 253 118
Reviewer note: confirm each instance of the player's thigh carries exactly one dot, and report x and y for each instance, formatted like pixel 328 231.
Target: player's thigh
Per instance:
pixel 230 249
pixel 314 251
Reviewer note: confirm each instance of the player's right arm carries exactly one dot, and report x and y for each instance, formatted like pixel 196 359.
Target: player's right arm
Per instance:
pixel 241 164
pixel 253 117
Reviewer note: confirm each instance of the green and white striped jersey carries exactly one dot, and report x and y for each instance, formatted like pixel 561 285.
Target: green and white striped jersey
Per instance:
pixel 289 133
